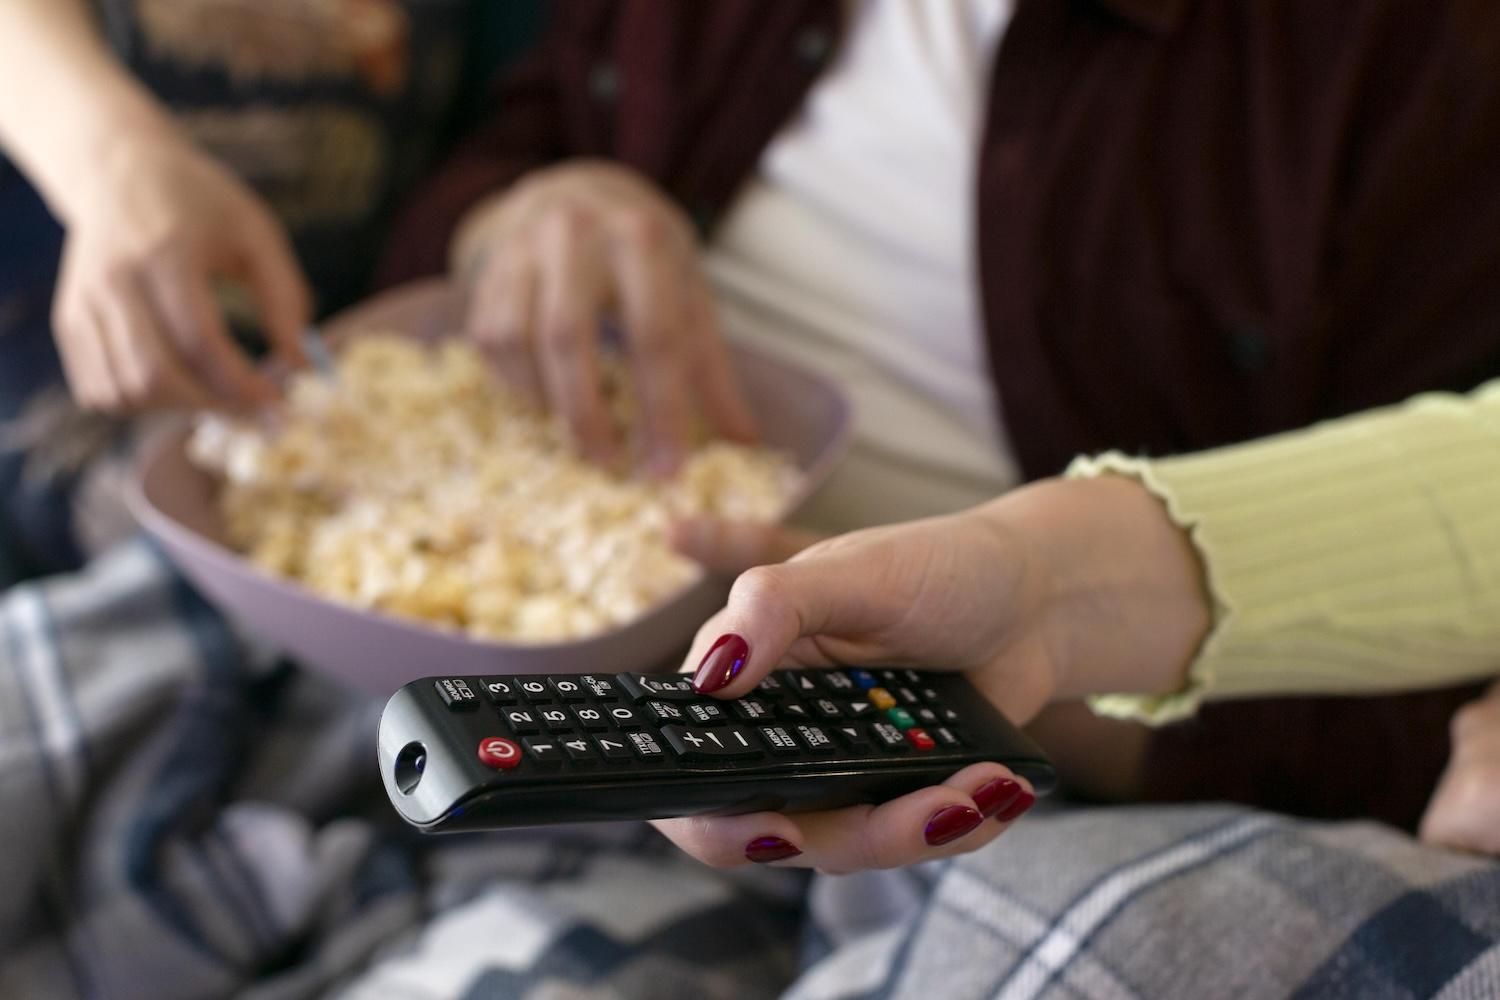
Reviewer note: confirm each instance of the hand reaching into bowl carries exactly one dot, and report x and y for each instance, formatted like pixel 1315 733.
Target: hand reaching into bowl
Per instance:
pixel 1054 591
pixel 571 247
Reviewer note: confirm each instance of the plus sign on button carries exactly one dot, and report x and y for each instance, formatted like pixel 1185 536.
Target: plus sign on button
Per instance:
pixel 501 754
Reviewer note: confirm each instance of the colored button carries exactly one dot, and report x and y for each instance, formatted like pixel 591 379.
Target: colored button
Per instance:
pixel 862 679
pixel 919 739
pixel 499 753
pixel 900 718
pixel 882 698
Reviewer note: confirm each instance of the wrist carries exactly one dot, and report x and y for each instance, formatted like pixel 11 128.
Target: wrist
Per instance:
pixel 1123 599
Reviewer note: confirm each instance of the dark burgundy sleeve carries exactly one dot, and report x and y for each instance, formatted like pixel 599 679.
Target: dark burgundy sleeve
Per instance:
pixel 525 130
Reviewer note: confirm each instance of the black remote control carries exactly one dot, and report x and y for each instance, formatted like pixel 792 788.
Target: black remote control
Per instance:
pixel 485 753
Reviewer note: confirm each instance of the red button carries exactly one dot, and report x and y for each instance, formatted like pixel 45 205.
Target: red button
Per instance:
pixel 920 739
pixel 501 754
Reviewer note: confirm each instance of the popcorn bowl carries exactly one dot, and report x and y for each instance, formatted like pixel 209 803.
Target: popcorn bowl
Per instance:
pixel 176 503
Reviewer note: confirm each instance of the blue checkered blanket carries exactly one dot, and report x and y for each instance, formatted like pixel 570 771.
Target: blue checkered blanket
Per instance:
pixel 186 817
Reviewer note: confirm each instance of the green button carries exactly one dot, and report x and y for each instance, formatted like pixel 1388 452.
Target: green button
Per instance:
pixel 900 717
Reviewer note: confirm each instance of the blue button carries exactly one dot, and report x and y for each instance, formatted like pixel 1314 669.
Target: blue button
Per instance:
pixel 863 678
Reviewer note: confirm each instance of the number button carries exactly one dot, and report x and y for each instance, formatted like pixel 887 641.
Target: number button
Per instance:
pixel 815 739
pixel 579 750
pixel 499 691
pixel 456 694
pixel 887 736
pixel 613 747
pixel 663 712
pixel 706 714
pixel 751 709
pixel 522 720
pixel 556 719
pixel 567 688
pixel 535 692
pixel 625 717
pixel 601 688
pixel 501 754
pixel 591 718
pixel 543 750
pixel 881 699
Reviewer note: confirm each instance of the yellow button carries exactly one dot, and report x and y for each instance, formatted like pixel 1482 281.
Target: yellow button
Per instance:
pixel 882 698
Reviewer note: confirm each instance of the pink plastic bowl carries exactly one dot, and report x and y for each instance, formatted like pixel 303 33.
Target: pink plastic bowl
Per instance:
pixel 176 504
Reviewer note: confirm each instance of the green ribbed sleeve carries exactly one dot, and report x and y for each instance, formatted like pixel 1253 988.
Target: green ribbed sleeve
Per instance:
pixel 1358 555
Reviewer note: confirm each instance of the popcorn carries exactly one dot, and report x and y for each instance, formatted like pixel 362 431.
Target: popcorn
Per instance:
pixel 417 485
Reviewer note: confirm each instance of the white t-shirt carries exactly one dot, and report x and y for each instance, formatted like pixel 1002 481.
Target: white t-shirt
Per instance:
pixel 852 252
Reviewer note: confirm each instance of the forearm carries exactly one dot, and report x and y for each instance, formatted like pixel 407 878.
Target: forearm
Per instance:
pixel 1360 555
pixel 66 104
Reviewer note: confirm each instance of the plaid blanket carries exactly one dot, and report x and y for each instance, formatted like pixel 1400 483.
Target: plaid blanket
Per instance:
pixel 186 817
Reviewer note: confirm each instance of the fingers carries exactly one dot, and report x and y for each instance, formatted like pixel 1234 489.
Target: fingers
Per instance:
pixel 499 321
pixel 281 295
pixel 721 400
pixel 654 312
pixel 571 296
pixel 1465 810
pixel 196 330
pixel 145 371
pixel 963 814
pixel 734 546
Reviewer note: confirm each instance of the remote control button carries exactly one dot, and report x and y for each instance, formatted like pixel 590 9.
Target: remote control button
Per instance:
pixel 613 747
pixel 947 737
pixel 795 712
pixel 827 708
pixel 751 709
pixel 859 709
pixel 646 747
pixel 778 740
pixel 499 690
pixel 522 720
pixel 535 691
pixel 888 736
pixel 900 718
pixel 851 735
pixel 863 679
pixel 706 713
pixel 711 744
pixel 836 681
pixel 913 677
pixel 456 694
pixel 929 695
pixel 580 751
pixel 543 750
pixel 667 687
pixel 556 720
pixel 815 738
pixel 882 698
pixel 888 678
pixel 625 717
pixel 590 717
pixel 907 696
pixel 919 739
pixel 949 716
pixel 802 683
pixel 567 688
pixel 601 688
pixel 770 686
pixel 926 716
pixel 499 753
pixel 663 712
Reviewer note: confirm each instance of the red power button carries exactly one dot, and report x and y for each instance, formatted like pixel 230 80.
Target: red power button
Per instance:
pixel 501 754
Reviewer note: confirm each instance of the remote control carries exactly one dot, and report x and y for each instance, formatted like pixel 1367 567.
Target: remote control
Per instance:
pixel 485 753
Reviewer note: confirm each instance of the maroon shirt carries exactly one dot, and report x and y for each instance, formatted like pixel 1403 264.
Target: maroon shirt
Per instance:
pixel 1200 221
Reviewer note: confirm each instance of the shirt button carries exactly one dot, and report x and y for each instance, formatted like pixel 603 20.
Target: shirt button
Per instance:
pixel 812 45
pixel 604 83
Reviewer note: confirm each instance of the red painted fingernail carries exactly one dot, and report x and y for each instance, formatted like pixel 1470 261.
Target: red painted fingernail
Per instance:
pixel 764 850
pixel 1023 802
pixel 723 661
pixel 949 823
pixel 996 795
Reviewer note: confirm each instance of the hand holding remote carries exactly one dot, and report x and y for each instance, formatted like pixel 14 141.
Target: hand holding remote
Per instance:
pixel 1054 591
